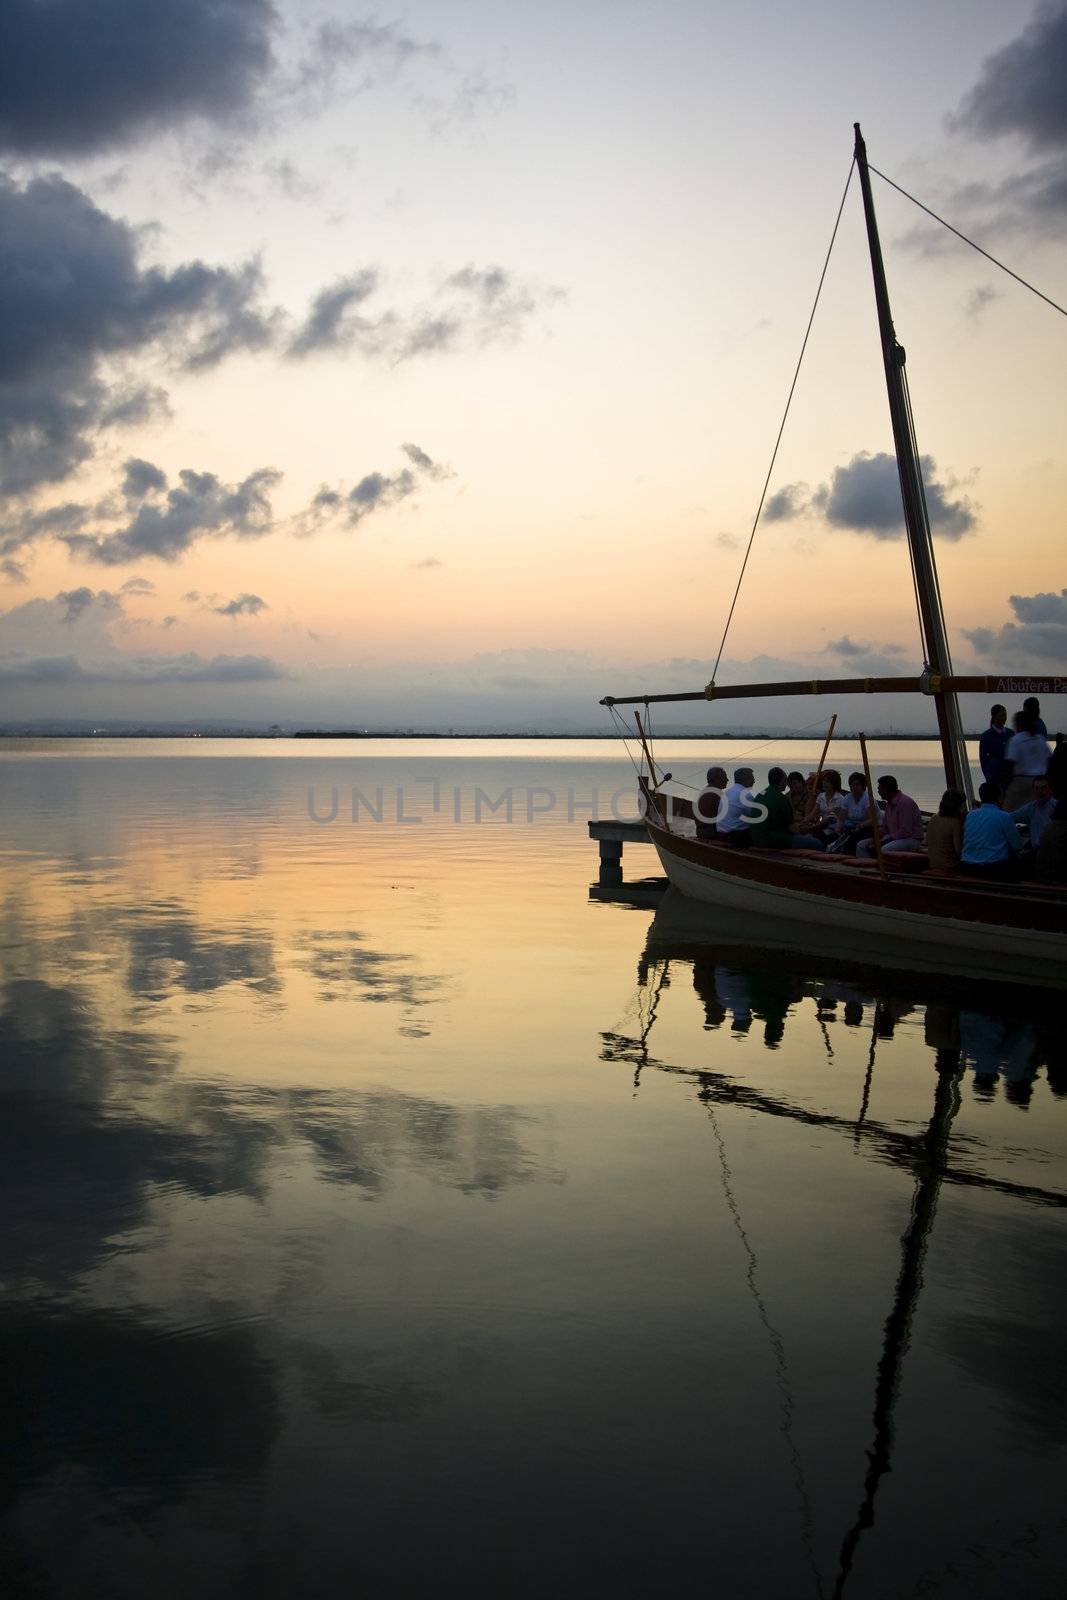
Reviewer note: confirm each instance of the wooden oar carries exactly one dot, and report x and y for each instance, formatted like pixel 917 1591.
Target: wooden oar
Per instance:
pixel 873 806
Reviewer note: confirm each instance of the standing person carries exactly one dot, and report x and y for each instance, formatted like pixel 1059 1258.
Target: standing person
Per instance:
pixel 1033 707
pixel 775 832
pixel 993 747
pixel 731 824
pixel 902 824
pixel 1036 812
pixel 1028 758
pixel 944 835
pixel 991 842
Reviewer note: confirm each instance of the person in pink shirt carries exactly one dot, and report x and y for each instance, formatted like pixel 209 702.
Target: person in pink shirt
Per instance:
pixel 901 823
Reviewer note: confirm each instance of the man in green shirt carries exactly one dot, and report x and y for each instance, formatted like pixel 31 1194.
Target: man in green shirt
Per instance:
pixel 773 833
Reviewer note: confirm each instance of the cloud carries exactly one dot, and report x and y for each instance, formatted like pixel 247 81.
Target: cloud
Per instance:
pixel 869 659
pixel 243 605
pixel 472 308
pixel 374 492
pixel 789 501
pixel 1038 633
pixel 75 298
pixel 146 670
pixel 1021 87
pixel 726 541
pixel 979 300
pixel 475 306
pixel 168 622
pixel 864 497
pixel 76 78
pixel 333 321
pixel 1021 92
pixel 426 563
pixel 199 506
pixel 137 585
pixel 78 601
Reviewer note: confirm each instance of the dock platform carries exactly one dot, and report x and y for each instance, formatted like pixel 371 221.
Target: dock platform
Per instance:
pixel 611 836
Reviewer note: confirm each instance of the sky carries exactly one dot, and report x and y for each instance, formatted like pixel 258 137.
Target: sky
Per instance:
pixel 423 368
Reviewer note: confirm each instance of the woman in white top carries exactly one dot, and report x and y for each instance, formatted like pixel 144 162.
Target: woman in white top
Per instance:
pixel 830 804
pixel 855 821
pixel 1028 754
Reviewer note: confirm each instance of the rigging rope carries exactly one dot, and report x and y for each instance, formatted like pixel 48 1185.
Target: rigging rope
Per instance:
pixel 785 417
pixel 1040 293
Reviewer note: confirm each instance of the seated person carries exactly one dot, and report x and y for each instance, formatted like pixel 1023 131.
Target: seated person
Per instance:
pixel 731 823
pixel 944 835
pixel 855 823
pixel 775 832
pixel 710 802
pixel 991 842
pixel 1036 812
pixel 829 804
pixel 901 827
pixel 1052 851
pixel 799 799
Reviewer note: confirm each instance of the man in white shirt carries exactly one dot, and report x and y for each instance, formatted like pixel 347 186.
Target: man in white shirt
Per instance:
pixel 736 809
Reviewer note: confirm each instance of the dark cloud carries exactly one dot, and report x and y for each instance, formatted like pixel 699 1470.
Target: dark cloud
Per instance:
pixel 864 497
pixel 78 601
pixel 1023 87
pixel 1038 633
pixel 242 605
pixel 137 585
pixel 334 323
pixel 75 296
pixel 77 77
pixel 1021 91
pixel 141 478
pixel 188 668
pixel 198 506
pixel 374 492
pixel 790 501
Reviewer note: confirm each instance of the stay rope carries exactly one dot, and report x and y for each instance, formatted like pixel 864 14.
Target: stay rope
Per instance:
pixel 1040 293
pixel 785 417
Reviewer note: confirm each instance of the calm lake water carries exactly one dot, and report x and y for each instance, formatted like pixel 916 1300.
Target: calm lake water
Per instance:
pixel 384 1215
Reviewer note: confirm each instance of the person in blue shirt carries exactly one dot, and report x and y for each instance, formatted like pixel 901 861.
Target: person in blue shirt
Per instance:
pixel 1036 812
pixel 991 842
pixel 993 747
pixel 1033 706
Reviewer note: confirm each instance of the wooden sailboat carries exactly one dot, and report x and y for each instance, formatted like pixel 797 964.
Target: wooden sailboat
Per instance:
pixel 1018 929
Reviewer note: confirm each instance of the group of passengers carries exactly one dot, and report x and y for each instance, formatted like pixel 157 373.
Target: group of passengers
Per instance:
pixel 1018 829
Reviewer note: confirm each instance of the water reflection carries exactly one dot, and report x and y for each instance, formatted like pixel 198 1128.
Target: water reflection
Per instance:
pixel 1012 1345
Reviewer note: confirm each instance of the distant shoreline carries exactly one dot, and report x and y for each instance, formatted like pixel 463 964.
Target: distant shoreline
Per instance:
pixel 387 733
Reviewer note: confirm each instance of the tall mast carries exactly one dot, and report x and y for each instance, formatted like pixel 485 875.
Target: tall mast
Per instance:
pixel 938 661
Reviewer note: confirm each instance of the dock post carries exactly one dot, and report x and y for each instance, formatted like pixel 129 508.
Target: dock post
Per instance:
pixel 610 862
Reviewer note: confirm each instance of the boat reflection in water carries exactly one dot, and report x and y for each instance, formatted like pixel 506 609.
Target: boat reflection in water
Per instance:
pixel 1003 1041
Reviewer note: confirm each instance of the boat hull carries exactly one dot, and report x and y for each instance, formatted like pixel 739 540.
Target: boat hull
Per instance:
pixel 946 926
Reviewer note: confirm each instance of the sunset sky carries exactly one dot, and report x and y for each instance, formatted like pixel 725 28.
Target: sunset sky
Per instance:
pixel 423 367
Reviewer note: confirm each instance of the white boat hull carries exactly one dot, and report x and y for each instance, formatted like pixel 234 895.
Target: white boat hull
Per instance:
pixel 938 943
